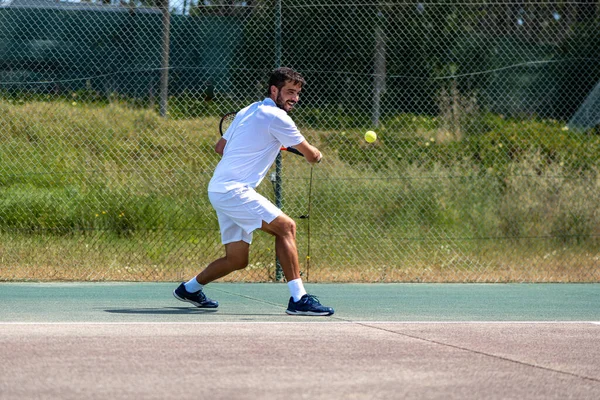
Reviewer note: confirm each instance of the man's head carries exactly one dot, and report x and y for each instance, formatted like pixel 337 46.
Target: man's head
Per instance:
pixel 285 85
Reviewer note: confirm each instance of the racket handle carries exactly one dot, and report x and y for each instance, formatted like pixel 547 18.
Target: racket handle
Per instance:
pixel 292 150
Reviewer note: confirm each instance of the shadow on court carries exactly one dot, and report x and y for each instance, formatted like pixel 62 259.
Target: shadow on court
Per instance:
pixel 132 340
pixel 166 310
pixel 181 310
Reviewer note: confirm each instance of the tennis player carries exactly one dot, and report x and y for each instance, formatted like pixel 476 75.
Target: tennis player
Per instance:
pixel 249 148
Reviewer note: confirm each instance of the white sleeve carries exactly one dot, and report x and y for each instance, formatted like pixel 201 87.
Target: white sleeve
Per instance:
pixel 284 129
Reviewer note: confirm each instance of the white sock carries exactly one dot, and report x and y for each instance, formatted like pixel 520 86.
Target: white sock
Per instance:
pixel 296 289
pixel 192 286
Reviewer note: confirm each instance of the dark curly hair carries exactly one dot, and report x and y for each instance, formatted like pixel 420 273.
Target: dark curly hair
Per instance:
pixel 281 75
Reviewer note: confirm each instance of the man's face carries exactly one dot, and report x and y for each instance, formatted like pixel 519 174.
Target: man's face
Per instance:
pixel 287 97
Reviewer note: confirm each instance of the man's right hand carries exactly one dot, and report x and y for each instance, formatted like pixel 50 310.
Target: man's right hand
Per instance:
pixel 311 153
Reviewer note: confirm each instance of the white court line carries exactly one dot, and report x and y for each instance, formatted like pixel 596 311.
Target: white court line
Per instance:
pixel 8 323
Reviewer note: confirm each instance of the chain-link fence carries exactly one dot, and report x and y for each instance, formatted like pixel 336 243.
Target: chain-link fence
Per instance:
pixel 486 166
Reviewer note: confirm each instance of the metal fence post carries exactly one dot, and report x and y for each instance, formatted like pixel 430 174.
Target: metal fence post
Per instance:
pixel 278 164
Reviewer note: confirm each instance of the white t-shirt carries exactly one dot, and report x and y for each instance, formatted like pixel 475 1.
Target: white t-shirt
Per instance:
pixel 253 142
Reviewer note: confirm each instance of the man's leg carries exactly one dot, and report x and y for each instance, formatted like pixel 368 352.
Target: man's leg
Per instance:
pixel 301 303
pixel 284 230
pixel 236 257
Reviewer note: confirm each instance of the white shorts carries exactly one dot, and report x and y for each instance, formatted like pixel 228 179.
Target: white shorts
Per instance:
pixel 240 212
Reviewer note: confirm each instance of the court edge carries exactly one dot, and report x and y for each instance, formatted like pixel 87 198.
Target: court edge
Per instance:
pixel 307 322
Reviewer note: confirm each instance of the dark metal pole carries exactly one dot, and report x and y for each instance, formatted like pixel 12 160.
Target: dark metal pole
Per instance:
pixel 278 164
pixel 278 198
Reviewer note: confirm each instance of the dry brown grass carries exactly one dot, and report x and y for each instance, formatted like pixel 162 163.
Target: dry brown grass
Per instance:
pixel 89 259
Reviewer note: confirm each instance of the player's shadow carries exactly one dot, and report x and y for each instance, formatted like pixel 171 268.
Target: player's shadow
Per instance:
pixel 179 311
pixel 163 310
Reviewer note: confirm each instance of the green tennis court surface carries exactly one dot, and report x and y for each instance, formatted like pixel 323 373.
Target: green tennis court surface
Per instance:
pixel 153 302
pixel 387 341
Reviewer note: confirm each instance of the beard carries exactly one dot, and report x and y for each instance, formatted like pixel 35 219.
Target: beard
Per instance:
pixel 282 104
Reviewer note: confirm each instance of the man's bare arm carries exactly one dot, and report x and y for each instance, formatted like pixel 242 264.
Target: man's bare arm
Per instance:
pixel 310 152
pixel 220 146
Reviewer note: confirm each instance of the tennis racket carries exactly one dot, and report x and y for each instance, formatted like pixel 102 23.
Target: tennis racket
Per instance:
pixel 227 119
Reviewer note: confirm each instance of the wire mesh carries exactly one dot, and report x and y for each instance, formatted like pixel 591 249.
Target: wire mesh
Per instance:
pixel 109 111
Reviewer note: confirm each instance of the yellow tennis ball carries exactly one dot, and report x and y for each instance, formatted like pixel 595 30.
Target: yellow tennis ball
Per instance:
pixel 370 136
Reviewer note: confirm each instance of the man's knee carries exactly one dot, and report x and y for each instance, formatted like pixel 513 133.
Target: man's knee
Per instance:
pixel 281 227
pixel 237 261
pixel 237 255
pixel 290 227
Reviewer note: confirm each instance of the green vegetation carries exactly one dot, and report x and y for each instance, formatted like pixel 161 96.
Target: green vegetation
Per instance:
pixel 119 191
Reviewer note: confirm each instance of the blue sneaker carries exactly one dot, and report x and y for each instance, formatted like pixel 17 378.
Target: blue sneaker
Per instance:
pixel 198 299
pixel 307 305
